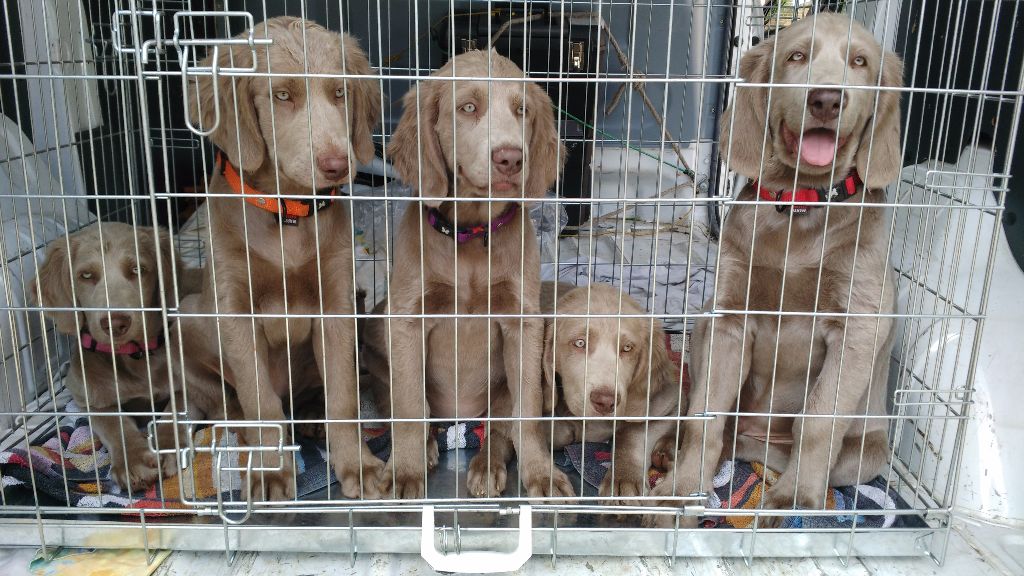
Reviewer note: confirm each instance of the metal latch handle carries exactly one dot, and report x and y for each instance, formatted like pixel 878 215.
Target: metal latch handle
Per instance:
pixel 480 561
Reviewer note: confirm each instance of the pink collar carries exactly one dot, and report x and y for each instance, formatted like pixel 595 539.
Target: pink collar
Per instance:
pixel 133 349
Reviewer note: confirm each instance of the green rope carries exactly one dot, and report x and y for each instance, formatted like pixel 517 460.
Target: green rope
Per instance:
pixel 637 149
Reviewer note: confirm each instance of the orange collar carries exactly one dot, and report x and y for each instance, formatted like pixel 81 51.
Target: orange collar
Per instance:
pixel 286 210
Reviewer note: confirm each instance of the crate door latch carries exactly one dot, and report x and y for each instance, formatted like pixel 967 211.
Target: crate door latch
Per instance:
pixel 186 46
pixel 479 561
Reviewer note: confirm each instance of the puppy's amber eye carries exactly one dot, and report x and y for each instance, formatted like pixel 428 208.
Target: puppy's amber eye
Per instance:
pixel 860 61
pixel 339 93
pixel 282 95
pixel 796 56
pixel 468 108
pixel 627 347
pixel 579 343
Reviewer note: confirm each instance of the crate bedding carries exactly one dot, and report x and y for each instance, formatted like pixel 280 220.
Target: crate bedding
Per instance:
pixel 66 465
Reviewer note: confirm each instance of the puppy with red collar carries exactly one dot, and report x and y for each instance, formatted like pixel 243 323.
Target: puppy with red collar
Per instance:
pixel 797 338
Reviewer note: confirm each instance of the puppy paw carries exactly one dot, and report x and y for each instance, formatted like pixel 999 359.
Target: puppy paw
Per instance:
pixel 169 465
pixel 404 481
pixel 663 455
pixel 360 480
pixel 141 473
pixel 546 481
pixel 270 485
pixel 626 486
pixel 669 487
pixel 668 521
pixel 485 481
pixel 780 498
pixel 433 455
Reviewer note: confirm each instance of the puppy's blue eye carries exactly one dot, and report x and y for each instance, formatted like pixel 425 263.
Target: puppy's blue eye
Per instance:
pixel 579 343
pixel 796 56
pixel 859 61
pixel 282 95
pixel 85 275
pixel 339 93
pixel 627 348
pixel 468 108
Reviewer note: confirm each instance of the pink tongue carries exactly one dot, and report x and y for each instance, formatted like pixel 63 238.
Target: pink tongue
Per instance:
pixel 819 147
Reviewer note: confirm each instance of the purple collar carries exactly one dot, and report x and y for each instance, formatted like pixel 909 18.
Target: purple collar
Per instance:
pixel 464 234
pixel 133 349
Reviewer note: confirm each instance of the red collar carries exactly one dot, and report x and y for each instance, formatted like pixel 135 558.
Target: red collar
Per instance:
pixel 841 191
pixel 133 349
pixel 287 210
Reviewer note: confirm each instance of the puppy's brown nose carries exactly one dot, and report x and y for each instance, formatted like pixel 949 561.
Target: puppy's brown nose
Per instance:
pixel 333 166
pixel 116 325
pixel 824 103
pixel 508 160
pixel 603 401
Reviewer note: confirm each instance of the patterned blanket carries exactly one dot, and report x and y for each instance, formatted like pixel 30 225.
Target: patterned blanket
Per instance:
pixel 71 468
pixel 592 460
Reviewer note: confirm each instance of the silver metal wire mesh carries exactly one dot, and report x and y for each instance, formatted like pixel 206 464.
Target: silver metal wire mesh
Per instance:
pixel 95 99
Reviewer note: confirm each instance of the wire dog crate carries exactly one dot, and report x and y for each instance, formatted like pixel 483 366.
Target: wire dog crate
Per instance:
pixel 95 99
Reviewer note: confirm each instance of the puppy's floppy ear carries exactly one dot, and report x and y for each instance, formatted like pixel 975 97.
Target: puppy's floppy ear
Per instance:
pixel 414 149
pixel 548 364
pixel 882 165
pixel 53 283
pixel 364 100
pixel 654 366
pixel 545 154
pixel 743 139
pixel 238 133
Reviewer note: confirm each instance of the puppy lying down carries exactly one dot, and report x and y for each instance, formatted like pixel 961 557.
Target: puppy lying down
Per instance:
pixel 109 272
pixel 601 367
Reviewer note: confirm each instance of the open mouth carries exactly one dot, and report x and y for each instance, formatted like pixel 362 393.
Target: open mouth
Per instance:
pixel 816 146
